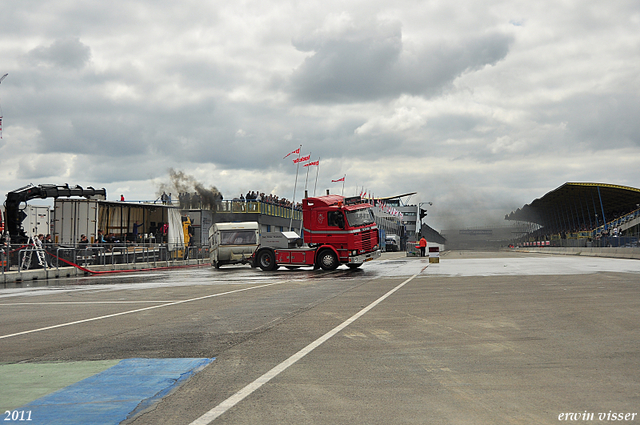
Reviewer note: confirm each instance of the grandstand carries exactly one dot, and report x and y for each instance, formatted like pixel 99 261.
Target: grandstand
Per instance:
pixel 583 215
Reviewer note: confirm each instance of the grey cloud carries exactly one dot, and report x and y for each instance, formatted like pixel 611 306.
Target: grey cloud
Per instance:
pixel 373 64
pixel 40 167
pixel 600 121
pixel 68 53
pixel 109 169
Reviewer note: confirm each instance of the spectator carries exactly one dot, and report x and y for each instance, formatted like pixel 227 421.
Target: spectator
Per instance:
pixel 136 230
pixel 164 230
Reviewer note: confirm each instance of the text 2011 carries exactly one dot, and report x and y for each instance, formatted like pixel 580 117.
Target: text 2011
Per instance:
pixel 17 415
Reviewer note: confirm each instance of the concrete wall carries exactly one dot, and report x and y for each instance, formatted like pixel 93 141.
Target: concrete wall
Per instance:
pixel 632 253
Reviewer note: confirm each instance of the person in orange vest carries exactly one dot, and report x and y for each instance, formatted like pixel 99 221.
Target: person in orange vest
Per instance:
pixel 423 247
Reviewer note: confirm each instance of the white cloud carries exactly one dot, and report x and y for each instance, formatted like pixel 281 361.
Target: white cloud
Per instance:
pixel 402 119
pixel 463 101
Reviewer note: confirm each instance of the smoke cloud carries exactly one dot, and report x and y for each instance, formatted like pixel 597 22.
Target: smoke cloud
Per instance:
pixel 191 193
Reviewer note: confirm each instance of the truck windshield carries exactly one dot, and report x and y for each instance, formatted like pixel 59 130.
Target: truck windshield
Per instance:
pixel 238 237
pixel 361 217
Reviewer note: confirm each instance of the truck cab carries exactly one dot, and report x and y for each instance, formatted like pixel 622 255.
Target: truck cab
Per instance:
pixel 342 229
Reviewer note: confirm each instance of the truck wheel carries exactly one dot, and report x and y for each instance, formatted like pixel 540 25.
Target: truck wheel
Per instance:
pixel 267 260
pixel 328 260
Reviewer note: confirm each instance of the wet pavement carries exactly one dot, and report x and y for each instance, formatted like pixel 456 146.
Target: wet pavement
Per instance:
pixel 476 338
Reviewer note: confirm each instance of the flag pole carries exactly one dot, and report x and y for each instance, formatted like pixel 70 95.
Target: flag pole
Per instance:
pixel 307 179
pixel 295 185
pixel 317 172
pixel 343 179
pixel 1 78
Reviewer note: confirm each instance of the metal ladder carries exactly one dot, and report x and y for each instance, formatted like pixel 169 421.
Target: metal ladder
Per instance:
pixel 34 245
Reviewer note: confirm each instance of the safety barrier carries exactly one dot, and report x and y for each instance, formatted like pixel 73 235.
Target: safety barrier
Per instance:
pixel 85 259
pixel 601 242
pixel 434 254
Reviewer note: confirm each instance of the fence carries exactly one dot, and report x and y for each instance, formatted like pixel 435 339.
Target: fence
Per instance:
pixel 12 257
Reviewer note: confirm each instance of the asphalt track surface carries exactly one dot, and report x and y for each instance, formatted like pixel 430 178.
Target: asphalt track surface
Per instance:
pixel 479 338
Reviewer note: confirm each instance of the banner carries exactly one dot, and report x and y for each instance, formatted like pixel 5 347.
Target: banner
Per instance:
pixel 339 180
pixel 308 164
pixel 302 159
pixel 297 151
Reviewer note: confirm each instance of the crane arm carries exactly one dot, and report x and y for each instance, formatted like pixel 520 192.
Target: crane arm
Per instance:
pixel 15 216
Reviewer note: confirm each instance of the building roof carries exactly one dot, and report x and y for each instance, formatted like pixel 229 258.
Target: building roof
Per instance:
pixel 579 203
pixel 388 198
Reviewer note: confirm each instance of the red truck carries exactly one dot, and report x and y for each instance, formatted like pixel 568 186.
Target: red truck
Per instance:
pixel 336 230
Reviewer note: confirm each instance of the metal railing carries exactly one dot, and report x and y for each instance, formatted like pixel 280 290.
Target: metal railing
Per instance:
pixel 3 261
pixel 101 255
pixel 258 207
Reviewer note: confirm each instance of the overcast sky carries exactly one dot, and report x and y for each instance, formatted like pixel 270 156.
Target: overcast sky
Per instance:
pixel 480 107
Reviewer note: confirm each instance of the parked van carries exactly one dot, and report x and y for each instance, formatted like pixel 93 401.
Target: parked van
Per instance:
pixel 233 243
pixel 392 243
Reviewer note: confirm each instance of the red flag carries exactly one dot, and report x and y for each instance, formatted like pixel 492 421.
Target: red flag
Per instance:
pixel 297 151
pixel 339 180
pixel 312 163
pixel 302 158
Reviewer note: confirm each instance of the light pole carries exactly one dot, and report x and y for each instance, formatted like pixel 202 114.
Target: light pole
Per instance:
pixel 422 213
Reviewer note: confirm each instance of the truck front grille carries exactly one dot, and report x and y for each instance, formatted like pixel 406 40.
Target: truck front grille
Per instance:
pixel 368 240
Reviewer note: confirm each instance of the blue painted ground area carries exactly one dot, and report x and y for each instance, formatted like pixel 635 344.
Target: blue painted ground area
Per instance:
pixel 115 394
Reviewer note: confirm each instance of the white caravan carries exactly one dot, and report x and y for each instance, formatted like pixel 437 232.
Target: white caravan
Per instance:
pixel 233 243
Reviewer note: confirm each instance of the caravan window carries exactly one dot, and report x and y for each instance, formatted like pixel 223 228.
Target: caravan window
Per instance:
pixel 238 237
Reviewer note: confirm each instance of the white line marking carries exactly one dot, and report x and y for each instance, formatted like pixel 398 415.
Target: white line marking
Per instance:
pixel 137 310
pixel 212 414
pixel 92 302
